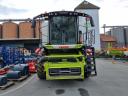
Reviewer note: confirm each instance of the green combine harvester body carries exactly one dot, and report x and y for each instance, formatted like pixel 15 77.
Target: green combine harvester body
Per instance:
pixel 65 65
pixel 64 55
pixel 116 53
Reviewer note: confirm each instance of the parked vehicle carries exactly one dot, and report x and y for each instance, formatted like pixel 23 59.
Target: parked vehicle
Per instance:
pixel 65 55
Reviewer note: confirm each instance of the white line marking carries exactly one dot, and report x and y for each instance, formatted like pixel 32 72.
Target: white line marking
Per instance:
pixel 17 87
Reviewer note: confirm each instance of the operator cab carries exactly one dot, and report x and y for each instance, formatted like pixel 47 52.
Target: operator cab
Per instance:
pixel 63 27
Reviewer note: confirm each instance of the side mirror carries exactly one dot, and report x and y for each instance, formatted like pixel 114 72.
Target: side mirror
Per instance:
pixel 33 23
pixel 92 22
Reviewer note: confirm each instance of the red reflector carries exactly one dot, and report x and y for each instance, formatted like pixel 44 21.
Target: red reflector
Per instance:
pixel 37 50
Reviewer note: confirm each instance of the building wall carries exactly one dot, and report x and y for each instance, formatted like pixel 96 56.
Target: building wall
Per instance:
pixel 120 36
pixel 126 36
pixel 25 30
pixel 9 30
pixel 108 33
pixel 95 15
pixel 0 31
pixel 9 35
pixel 37 29
pixel 105 45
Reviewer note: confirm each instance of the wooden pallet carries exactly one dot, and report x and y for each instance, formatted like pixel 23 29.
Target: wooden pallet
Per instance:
pixel 10 83
pixel 20 79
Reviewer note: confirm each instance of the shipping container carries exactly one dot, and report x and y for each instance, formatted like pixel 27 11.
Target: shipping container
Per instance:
pixel 25 30
pixel 10 30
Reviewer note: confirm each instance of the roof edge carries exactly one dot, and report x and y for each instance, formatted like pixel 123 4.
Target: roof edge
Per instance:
pixel 86 5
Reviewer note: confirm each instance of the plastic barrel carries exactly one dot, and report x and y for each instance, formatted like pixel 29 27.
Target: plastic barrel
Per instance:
pixel 23 68
pixel 26 67
pixel 13 75
pixel 3 80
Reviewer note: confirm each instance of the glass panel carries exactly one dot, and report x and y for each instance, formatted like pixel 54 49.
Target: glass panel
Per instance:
pixel 63 30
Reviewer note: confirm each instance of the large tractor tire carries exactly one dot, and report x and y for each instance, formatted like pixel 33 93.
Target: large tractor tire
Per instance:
pixel 40 72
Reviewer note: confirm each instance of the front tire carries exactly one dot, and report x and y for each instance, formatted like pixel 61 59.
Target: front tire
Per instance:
pixel 40 72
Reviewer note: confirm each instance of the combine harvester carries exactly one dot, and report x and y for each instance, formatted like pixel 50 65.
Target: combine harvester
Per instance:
pixel 121 53
pixel 65 51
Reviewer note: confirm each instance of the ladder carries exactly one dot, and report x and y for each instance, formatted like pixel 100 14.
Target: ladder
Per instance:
pixel 91 63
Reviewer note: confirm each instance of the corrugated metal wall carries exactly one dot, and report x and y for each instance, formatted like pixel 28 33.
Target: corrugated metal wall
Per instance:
pixel 38 29
pixel 118 33
pixel 121 35
pixel 127 36
pixel 25 30
pixel 19 34
pixel 0 31
pixel 108 33
pixel 10 30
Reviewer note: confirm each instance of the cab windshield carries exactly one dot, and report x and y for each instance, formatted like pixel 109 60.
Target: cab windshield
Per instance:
pixel 63 30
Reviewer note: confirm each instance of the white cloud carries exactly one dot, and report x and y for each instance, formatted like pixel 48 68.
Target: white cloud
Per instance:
pixel 4 10
pixel 112 12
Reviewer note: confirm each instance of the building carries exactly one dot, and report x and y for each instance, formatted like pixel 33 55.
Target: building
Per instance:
pixel 92 10
pixel 22 35
pixel 121 35
pixel 19 34
pixel 107 41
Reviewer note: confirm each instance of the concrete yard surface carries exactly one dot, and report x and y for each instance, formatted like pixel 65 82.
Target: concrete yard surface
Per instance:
pixel 112 80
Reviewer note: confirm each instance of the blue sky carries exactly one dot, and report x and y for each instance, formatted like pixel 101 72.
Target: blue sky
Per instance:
pixel 112 12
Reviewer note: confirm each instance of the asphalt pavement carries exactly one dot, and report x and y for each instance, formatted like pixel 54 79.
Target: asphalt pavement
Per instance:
pixel 112 80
